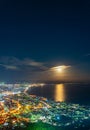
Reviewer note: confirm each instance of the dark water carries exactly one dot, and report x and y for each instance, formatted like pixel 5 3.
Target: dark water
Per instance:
pixel 71 93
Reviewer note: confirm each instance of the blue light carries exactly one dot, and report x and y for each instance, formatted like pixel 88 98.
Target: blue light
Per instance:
pixel 57 117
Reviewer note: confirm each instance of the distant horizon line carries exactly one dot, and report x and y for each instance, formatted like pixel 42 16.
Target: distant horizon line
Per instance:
pixel 47 82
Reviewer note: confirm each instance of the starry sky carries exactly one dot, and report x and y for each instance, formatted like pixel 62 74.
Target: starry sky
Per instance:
pixel 38 35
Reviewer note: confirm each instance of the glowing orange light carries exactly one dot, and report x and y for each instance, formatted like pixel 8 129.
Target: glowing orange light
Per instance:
pixel 59 93
pixel 60 68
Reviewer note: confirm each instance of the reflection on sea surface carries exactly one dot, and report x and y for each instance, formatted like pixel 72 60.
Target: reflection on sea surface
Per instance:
pixel 59 93
pixel 71 93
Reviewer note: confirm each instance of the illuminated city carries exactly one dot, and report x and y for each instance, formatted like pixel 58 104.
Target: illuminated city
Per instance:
pixel 17 109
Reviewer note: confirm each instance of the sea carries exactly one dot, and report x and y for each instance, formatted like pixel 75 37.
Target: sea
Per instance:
pixel 75 93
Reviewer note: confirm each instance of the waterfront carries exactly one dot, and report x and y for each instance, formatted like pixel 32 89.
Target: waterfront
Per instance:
pixel 55 111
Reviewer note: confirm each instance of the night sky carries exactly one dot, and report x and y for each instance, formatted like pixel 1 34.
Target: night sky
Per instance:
pixel 38 35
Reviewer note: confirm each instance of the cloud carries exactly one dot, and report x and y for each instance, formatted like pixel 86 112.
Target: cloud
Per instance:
pixel 27 69
pixel 60 68
pixel 31 62
pixel 10 67
pixel 26 64
pixel 87 54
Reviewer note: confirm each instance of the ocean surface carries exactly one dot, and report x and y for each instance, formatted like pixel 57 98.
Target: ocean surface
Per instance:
pixel 70 93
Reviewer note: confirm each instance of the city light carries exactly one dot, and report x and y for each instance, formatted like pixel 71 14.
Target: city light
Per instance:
pixel 19 108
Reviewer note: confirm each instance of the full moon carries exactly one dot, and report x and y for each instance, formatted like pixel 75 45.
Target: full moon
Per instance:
pixel 59 69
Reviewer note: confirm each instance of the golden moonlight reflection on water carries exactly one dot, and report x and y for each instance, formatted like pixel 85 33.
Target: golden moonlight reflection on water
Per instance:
pixel 59 92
